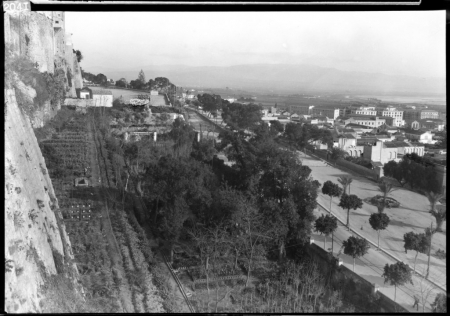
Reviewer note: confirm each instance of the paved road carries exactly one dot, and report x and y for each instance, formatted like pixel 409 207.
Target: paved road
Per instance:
pixel 411 216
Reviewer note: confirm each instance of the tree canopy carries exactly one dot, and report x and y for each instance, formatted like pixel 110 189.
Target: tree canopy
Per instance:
pixel 379 222
pixel 332 190
pixel 241 117
pixel 326 225
pixel 397 274
pixel 141 77
pixel 355 247
pixel 210 102
pixel 417 242
pixel 349 202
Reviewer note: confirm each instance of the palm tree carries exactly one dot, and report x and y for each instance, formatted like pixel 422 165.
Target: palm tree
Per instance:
pixel 345 181
pixel 439 214
pixel 385 188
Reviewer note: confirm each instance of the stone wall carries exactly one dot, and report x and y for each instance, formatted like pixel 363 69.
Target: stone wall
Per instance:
pixel 339 278
pixel 31 34
pixel 31 243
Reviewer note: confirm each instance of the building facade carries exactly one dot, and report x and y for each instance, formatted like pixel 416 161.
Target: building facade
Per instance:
pixel 394 113
pixel 424 137
pixel 328 112
pixel 379 152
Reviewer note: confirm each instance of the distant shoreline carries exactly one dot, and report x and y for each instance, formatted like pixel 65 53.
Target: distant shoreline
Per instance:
pixel 407 99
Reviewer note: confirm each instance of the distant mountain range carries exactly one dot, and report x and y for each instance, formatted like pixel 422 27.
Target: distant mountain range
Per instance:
pixel 283 77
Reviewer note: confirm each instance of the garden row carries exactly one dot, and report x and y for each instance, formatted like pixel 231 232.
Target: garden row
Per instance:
pixel 136 254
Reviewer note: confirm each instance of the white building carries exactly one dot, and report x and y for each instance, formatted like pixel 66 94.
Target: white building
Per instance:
pixel 102 98
pixel 365 110
pixel 392 112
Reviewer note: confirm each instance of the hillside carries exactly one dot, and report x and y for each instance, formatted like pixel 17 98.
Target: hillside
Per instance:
pixel 305 78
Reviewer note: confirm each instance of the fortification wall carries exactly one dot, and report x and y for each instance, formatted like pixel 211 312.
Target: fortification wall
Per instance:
pixel 31 243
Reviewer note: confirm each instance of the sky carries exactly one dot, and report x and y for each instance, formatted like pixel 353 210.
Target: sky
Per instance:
pixel 408 43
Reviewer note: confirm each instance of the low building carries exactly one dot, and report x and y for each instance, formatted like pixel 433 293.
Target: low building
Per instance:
pixel 407 148
pixel 154 92
pixel 370 121
pixel 332 113
pixel 102 98
pixel 431 124
pixel 86 93
pixel 392 112
pixel 424 137
pixel 364 110
pixel 379 152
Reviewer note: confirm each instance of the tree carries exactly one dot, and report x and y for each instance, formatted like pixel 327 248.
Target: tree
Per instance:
pixel 209 243
pixel 345 181
pixel 79 56
pixel 293 133
pixel 326 225
pixel 379 222
pixel 203 150
pixel 141 77
pixel 249 229
pixel 386 188
pixel 276 126
pixel 440 303
pixel 241 117
pixel 416 242
pixel 100 79
pixel 121 83
pixel 350 202
pixel 210 103
pixel 397 274
pixel 440 214
pixel 136 84
pixel 301 135
pixel 355 247
pixel 332 190
pixel 337 153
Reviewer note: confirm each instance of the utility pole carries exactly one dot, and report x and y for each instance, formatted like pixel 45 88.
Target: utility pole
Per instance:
pixel 429 252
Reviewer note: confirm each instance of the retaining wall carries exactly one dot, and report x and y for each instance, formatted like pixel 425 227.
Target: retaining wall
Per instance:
pixel 339 275
pixel 368 173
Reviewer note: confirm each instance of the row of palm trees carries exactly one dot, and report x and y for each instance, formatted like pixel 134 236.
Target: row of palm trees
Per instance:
pixel 386 188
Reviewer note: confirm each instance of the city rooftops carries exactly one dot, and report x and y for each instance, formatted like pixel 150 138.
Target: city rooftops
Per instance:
pixel 419 132
pixel 396 144
pixel 431 120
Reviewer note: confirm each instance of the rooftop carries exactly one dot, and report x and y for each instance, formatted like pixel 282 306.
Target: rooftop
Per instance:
pixel 419 132
pixel 102 92
pixel 349 136
pixel 396 144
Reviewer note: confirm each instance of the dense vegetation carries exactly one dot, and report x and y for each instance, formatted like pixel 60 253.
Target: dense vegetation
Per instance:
pixel 415 171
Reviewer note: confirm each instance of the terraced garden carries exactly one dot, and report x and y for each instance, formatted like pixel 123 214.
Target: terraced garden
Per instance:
pixel 113 256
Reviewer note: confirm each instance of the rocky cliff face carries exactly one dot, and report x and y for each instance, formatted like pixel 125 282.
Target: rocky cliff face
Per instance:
pixel 36 242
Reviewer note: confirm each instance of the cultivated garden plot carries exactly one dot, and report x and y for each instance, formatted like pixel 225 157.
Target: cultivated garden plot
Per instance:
pixel 103 276
pixel 272 288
